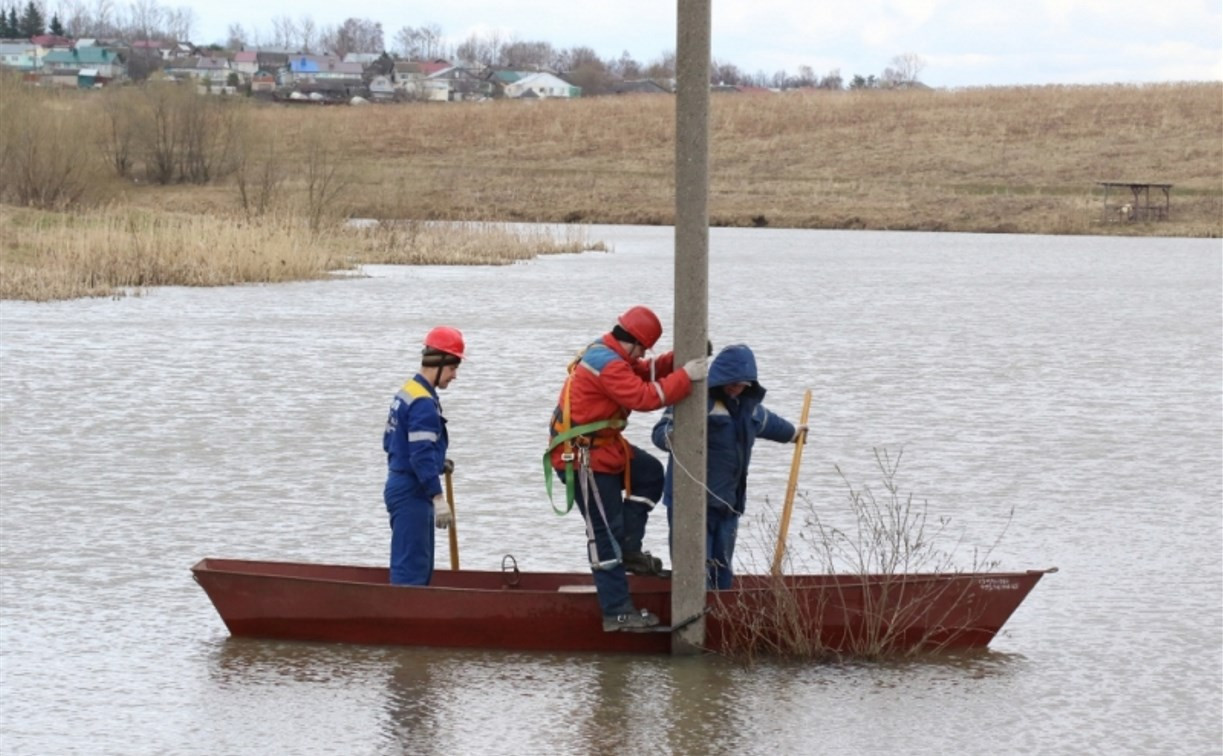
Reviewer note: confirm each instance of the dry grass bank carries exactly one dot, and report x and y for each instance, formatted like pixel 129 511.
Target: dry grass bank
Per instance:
pixel 1022 159
pixel 57 255
pixel 270 204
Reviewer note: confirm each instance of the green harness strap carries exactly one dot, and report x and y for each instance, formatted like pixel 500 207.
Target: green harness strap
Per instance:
pixel 561 438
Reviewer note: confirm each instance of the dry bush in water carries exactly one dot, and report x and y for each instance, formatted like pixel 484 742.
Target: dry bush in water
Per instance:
pixel 889 542
pixel 420 243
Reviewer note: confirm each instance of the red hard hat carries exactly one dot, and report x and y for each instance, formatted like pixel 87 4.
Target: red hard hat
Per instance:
pixel 642 324
pixel 445 339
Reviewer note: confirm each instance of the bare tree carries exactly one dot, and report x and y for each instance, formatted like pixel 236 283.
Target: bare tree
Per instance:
pixel 583 68
pixel 626 67
pixel 481 48
pixel 724 73
pixel 146 18
pixel 235 37
pixel 526 55
pixel 833 80
pixel 43 160
pixel 357 35
pixel 179 23
pixel 259 172
pixel 904 70
pixel 663 67
pixel 121 128
pixel 324 177
pixel 407 42
pixel 76 18
pixel 308 33
pixel 103 17
pixel 431 41
pixel 284 32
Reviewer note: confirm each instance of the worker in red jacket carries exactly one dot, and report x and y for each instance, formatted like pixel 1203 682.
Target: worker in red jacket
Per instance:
pixel 614 483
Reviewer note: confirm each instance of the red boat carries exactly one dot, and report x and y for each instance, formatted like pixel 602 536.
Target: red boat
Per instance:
pixel 871 615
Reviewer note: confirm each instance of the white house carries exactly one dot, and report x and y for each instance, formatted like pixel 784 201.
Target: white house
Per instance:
pixel 542 85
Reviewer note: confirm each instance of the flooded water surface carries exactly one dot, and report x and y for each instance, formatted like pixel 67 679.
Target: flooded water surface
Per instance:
pixel 1057 400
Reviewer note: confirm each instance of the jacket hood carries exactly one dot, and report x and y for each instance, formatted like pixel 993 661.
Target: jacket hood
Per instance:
pixel 735 363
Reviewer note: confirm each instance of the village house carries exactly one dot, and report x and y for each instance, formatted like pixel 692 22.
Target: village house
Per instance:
pixel 19 55
pixel 458 83
pixel 246 63
pixel 542 85
pixel 152 48
pixel 362 58
pixel 263 81
pixel 210 74
pixel 101 64
pixel 381 88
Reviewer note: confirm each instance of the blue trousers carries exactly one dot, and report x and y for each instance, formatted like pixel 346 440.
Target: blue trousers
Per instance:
pixel 626 522
pixel 411 533
pixel 721 529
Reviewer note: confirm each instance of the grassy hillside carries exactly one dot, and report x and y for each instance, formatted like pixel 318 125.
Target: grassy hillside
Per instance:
pixel 1023 159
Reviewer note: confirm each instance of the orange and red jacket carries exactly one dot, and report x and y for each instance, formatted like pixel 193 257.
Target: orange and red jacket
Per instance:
pixel 605 385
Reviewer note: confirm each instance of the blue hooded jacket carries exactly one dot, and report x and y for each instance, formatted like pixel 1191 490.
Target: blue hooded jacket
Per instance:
pixel 734 426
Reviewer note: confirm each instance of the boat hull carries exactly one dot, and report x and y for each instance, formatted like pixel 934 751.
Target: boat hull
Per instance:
pixel 511 610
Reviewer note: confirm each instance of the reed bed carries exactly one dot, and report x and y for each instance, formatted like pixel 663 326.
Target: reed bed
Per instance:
pixel 431 243
pixel 110 251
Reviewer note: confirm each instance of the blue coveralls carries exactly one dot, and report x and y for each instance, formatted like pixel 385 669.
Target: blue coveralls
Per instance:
pixel 415 443
pixel 734 425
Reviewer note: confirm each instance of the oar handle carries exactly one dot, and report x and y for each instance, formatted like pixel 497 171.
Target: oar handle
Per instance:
pixel 454 528
pixel 791 488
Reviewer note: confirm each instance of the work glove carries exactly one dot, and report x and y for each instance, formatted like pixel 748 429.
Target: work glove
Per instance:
pixel 448 466
pixel 697 368
pixel 441 512
pixel 800 432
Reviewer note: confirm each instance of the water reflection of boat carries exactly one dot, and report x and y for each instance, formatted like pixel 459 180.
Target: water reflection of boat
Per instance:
pixel 555 611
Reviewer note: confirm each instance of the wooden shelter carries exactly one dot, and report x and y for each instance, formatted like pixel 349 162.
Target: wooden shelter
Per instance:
pixel 1137 206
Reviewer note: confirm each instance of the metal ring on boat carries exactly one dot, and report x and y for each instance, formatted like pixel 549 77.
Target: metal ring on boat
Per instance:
pixel 511 578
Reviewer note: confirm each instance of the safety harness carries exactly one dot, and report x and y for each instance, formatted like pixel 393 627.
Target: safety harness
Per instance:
pixel 576 443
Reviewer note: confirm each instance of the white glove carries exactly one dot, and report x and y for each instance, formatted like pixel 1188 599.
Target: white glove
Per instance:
pixel 697 368
pixel 441 512
pixel 800 431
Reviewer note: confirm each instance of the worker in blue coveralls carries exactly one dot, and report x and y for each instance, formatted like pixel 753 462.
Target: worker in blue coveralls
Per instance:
pixel 736 419
pixel 415 443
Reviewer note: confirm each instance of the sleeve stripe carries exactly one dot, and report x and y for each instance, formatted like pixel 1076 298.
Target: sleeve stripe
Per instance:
pixel 429 436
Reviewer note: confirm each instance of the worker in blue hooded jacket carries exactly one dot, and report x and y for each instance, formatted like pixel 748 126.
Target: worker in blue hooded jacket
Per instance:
pixel 736 419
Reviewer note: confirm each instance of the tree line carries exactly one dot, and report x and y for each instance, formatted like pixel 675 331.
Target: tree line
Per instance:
pixel 581 65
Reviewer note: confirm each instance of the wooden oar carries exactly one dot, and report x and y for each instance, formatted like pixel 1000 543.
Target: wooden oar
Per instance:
pixel 791 488
pixel 454 530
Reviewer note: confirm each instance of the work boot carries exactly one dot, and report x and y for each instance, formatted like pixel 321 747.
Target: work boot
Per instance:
pixel 643 563
pixel 632 620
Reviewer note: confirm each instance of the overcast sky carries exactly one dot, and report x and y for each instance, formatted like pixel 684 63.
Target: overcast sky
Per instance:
pixel 962 42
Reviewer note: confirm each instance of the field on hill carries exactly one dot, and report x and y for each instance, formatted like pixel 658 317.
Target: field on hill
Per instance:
pixel 1023 160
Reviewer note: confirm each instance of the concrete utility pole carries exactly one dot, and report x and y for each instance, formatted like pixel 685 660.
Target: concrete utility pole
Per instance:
pixel 691 317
